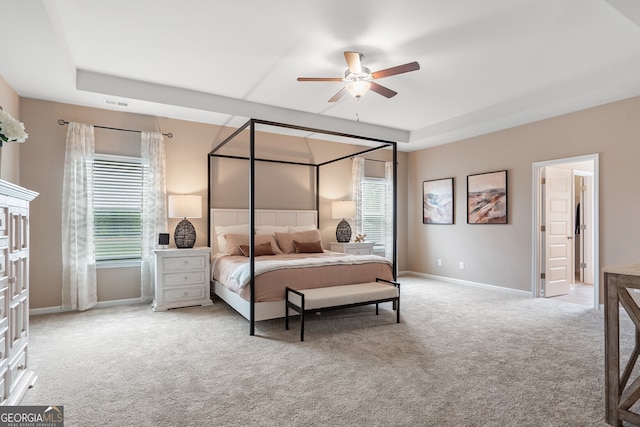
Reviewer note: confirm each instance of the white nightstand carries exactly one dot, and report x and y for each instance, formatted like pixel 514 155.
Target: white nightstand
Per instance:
pixel 182 278
pixel 353 248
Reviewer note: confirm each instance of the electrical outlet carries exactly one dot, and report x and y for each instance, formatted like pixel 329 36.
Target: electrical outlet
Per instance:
pixel 440 262
pixel 461 265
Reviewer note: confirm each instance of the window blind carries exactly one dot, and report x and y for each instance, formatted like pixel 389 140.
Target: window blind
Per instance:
pixel 373 208
pixel 117 203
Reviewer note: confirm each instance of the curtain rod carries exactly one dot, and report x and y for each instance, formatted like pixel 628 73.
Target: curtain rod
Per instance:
pixel 62 122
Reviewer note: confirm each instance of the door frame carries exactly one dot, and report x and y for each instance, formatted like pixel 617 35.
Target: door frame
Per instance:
pixel 536 212
pixel 588 177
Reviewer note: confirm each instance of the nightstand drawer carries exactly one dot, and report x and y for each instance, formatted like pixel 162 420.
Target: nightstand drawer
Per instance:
pixel 184 263
pixel 186 278
pixel 184 294
pixel 353 248
pixel 358 251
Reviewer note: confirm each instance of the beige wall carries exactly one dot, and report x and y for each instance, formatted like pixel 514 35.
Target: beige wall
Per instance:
pixel 42 171
pixel 10 152
pixel 42 162
pixel 501 255
pixel 493 254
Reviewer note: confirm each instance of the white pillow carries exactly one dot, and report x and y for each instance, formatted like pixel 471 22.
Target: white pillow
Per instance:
pixel 296 228
pixel 221 230
pixel 270 229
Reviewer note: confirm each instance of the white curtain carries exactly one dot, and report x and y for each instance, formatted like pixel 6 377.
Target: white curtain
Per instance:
pixel 388 210
pixel 79 284
pixel 154 207
pixel 357 176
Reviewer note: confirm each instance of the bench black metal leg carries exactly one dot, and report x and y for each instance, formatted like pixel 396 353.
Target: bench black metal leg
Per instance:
pixel 376 309
pixel 286 318
pixel 397 303
pixel 286 309
pixel 302 325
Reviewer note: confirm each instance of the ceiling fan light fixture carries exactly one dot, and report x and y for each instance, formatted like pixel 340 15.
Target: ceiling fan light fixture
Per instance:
pixel 358 79
pixel 358 88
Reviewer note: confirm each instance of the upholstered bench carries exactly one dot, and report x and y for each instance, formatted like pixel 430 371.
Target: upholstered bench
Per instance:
pixel 334 297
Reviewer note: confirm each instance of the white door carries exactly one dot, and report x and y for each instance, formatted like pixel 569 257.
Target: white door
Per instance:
pixel 559 250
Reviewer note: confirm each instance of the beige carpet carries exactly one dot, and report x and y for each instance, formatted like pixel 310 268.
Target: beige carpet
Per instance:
pixel 462 356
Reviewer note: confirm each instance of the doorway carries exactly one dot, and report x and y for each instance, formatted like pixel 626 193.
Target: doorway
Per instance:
pixel 565 230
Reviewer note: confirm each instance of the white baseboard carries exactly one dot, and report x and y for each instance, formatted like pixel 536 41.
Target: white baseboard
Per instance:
pixel 100 304
pixel 469 283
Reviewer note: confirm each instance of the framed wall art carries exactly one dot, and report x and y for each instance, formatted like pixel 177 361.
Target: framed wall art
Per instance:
pixel 487 198
pixel 437 201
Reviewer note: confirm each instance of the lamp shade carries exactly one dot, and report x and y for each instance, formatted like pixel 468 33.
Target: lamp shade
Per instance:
pixel 185 206
pixel 343 209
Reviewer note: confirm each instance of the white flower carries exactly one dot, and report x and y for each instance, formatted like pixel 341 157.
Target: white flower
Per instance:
pixel 11 130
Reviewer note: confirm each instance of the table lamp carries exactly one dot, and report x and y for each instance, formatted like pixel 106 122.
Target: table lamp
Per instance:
pixel 185 206
pixel 341 210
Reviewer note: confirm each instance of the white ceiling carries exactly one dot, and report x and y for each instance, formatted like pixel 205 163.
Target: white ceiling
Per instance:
pixel 485 65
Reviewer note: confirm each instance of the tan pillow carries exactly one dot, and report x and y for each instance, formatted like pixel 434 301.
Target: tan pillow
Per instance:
pixel 285 240
pixel 259 250
pixel 235 240
pixel 221 230
pixel 312 247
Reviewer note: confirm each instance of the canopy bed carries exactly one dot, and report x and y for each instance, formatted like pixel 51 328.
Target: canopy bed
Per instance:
pixel 250 244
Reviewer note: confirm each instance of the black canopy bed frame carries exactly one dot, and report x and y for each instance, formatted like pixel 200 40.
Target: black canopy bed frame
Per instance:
pixel 251 126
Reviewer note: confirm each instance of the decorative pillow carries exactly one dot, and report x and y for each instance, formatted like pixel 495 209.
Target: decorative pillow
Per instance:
pixel 258 250
pixel 221 230
pixel 285 240
pixel 270 229
pixel 235 240
pixel 296 228
pixel 311 247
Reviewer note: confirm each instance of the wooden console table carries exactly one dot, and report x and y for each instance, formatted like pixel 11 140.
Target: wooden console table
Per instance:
pixel 619 393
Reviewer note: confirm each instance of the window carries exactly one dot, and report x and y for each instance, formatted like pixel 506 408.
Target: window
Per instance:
pixel 373 209
pixel 117 204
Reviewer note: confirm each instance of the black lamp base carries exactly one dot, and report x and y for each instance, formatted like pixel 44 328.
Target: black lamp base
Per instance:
pixel 343 231
pixel 185 235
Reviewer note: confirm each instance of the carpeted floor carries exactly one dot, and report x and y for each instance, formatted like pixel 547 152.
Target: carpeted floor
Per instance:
pixel 461 356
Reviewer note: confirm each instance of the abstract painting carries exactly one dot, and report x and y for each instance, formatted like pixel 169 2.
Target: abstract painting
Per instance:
pixel 487 198
pixel 437 201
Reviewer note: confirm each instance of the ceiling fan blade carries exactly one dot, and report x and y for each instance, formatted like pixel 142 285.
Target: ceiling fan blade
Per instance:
pixel 320 79
pixel 411 66
pixel 338 95
pixel 382 90
pixel 353 61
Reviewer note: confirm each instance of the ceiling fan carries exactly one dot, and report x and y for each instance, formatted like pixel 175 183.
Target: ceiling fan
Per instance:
pixel 359 79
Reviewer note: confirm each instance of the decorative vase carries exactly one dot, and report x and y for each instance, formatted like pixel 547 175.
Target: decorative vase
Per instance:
pixel 185 235
pixel 343 231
